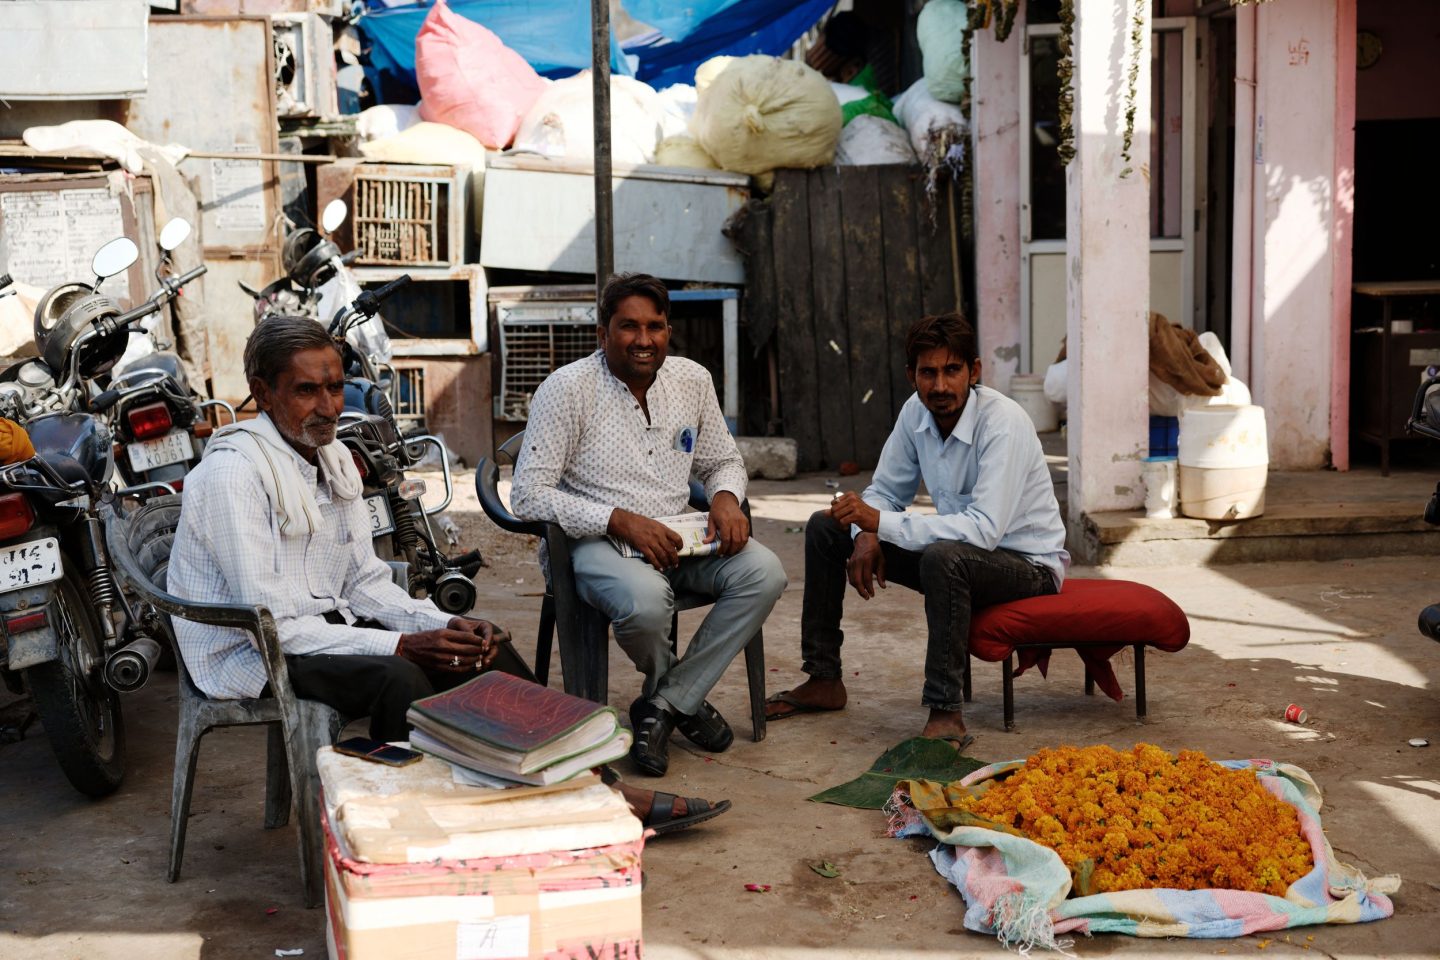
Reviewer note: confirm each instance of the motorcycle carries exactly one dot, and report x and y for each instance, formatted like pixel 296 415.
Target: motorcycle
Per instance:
pixel 69 633
pixel 318 284
pixel 399 522
pixel 1425 421
pixel 157 419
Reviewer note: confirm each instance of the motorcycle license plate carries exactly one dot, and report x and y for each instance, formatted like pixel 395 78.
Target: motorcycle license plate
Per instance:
pixel 30 564
pixel 379 512
pixel 174 447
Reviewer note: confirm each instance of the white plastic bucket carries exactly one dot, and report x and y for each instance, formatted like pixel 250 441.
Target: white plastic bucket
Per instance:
pixel 1158 473
pixel 1224 459
pixel 1028 390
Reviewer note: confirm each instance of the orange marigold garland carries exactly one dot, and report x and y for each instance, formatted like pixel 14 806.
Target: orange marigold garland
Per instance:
pixel 1124 821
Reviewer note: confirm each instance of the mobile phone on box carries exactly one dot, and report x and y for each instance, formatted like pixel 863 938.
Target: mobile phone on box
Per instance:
pixel 377 751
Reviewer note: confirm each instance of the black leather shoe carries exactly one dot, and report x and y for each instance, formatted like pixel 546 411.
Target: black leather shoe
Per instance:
pixel 706 728
pixel 652 723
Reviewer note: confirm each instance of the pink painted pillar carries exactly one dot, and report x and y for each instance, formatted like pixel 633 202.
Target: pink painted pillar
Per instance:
pixel 995 117
pixel 1295 283
pixel 1344 232
pixel 1107 266
pixel 1242 233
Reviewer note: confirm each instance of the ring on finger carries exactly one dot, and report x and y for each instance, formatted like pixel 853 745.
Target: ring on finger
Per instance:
pixel 455 660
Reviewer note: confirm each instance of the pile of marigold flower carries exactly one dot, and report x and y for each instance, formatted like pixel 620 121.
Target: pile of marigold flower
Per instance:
pixel 1124 821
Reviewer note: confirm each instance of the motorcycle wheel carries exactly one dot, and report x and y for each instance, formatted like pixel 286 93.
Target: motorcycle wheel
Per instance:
pixel 151 535
pixel 80 713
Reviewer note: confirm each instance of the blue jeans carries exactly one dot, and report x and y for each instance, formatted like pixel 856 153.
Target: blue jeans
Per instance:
pixel 640 600
pixel 955 579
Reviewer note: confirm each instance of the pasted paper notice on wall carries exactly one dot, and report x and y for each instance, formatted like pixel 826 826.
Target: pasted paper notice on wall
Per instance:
pixel 52 235
pixel 239 187
pixel 498 939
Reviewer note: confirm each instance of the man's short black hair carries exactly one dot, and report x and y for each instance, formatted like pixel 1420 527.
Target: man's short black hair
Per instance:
pixel 622 285
pixel 276 339
pixel 949 330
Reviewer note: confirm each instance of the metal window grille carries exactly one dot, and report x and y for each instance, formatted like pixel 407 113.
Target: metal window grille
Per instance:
pixel 535 340
pixel 409 395
pixel 401 220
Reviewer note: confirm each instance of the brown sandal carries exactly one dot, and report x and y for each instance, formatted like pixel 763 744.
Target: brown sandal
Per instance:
pixel 788 698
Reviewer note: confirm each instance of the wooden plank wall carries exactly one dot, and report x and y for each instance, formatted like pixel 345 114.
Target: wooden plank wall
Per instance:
pixel 854 260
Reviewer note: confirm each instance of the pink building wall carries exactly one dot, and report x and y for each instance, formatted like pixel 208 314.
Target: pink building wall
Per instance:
pixel 995 115
pixel 1405 83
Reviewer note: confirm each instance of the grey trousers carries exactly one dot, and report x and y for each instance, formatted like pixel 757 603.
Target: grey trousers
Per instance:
pixel 640 600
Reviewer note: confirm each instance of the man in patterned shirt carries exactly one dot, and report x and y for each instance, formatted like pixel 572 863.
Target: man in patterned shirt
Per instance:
pixel 611 444
pixel 273 516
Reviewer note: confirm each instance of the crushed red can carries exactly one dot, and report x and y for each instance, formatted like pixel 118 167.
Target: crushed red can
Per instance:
pixel 1296 713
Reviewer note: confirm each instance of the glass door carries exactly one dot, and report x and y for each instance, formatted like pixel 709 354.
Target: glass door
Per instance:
pixel 1174 208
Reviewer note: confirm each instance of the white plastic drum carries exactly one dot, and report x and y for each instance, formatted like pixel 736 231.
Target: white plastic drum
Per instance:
pixel 1028 390
pixel 1224 459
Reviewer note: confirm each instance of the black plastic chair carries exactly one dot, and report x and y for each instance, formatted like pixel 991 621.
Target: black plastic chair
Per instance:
pixel 583 631
pixel 297 727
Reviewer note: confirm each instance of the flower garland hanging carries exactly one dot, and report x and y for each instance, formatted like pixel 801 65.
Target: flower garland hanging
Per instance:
pixel 1144 819
pixel 1005 18
pixel 967 173
pixel 1139 23
pixel 1065 71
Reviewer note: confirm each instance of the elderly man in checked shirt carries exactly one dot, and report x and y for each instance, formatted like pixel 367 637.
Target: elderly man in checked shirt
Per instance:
pixel 611 443
pixel 273 516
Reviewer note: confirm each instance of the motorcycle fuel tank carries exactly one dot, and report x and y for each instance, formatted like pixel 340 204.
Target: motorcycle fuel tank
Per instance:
pixel 77 436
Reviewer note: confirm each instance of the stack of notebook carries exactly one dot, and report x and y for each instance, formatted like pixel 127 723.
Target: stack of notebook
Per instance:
pixel 516 731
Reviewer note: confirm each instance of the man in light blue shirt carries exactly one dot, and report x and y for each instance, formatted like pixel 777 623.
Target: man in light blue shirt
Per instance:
pixel 996 535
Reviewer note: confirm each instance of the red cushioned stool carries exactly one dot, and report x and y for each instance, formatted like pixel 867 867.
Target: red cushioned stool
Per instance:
pixel 1096 618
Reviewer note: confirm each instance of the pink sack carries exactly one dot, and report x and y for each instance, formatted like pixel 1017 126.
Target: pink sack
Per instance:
pixel 470 80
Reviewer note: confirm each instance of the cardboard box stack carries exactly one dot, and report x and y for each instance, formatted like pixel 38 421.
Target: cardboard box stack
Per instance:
pixel 420 866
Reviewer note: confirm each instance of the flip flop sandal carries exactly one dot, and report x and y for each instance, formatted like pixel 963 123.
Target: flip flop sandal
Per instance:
pixel 960 743
pixel 661 818
pixel 788 698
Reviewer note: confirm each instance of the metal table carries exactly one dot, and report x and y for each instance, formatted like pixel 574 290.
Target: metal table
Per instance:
pixel 1385 292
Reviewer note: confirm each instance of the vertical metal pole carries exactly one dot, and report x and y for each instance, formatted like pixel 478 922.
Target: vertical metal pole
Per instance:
pixel 604 207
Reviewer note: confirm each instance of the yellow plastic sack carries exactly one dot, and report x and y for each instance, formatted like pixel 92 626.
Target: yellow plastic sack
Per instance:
pixel 760 113
pixel 709 70
pixel 427 143
pixel 683 151
pixel 15 443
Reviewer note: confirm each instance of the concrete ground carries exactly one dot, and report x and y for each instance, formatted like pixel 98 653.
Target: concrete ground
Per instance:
pixel 80 878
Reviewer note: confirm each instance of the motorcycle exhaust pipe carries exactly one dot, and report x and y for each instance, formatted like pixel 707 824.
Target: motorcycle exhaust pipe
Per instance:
pixel 128 668
pixel 454 592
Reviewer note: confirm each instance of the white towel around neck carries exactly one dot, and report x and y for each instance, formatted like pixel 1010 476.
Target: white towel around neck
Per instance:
pixel 278 464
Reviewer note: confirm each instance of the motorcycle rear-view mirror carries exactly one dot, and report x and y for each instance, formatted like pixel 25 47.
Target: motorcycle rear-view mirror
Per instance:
pixel 174 233
pixel 115 257
pixel 333 215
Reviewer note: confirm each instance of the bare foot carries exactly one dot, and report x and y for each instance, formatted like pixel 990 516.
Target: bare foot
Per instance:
pixel 947 725
pixel 814 694
pixel 642 801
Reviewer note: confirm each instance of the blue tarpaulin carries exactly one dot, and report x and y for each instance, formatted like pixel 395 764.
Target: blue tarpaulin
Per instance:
pixel 741 28
pixel 676 20
pixel 554 36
